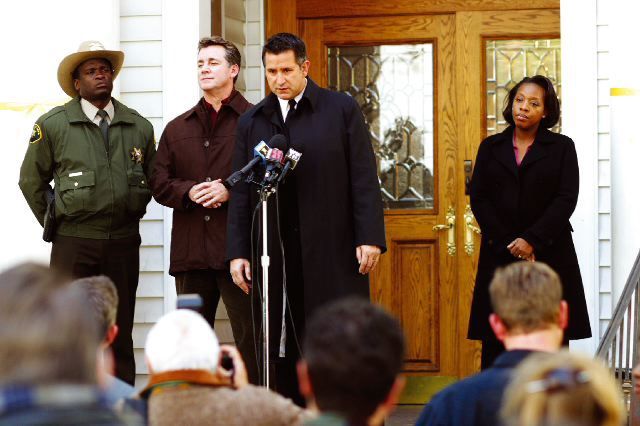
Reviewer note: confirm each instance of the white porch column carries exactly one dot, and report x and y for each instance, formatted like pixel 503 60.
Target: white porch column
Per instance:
pixel 625 140
pixel 579 122
pixel 183 24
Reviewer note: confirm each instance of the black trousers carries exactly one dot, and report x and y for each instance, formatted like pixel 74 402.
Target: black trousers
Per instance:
pixel 212 284
pixel 119 260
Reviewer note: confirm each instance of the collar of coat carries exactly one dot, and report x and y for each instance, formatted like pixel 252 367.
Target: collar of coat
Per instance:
pixel 269 106
pixel 178 377
pixel 122 114
pixel 502 148
pixel 236 102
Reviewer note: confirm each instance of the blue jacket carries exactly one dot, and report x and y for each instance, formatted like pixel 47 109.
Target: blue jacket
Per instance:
pixel 475 400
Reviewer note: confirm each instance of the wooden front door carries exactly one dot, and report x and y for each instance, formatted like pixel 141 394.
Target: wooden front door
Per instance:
pixel 418 71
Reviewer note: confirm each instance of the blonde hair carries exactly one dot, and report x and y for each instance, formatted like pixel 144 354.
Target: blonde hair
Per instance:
pixel 562 389
pixel 526 296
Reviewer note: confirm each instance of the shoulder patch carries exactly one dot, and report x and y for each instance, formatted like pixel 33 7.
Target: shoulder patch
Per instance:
pixel 36 134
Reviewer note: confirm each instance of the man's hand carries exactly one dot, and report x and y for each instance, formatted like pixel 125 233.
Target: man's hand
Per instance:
pixel 209 194
pixel 238 376
pixel 521 249
pixel 241 273
pixel 368 257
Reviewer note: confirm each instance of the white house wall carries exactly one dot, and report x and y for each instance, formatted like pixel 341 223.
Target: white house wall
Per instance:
pixel 605 292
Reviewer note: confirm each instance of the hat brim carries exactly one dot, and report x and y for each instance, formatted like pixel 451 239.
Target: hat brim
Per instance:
pixel 71 62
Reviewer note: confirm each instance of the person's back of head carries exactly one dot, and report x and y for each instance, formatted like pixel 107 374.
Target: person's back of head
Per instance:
pixel 182 340
pixel 527 297
pixel 562 389
pixel 353 355
pixel 102 298
pixel 47 335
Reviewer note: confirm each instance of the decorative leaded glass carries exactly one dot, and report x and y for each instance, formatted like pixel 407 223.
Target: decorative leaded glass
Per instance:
pixel 508 62
pixel 393 84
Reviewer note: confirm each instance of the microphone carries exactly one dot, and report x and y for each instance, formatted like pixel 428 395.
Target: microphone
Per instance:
pixel 291 161
pixel 275 158
pixel 260 154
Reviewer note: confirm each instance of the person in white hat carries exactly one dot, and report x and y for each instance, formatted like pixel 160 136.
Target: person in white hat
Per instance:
pixel 99 153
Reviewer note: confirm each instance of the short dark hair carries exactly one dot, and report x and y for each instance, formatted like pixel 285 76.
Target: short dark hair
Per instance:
pixel 47 335
pixel 232 54
pixel 354 351
pixel 76 73
pixel 282 42
pixel 551 102
pixel 102 298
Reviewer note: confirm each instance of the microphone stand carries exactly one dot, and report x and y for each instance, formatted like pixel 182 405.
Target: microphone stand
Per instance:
pixel 266 189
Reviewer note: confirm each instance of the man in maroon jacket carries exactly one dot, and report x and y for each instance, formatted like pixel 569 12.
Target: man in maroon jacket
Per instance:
pixel 194 157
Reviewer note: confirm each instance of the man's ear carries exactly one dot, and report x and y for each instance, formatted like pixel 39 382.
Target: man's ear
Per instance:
pixel 76 84
pixel 304 382
pixel 498 327
pixel 563 316
pixel 112 333
pixel 235 70
pixel 305 67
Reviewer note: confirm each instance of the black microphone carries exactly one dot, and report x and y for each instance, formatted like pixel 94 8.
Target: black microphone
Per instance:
pixel 275 158
pixel 291 161
pixel 260 154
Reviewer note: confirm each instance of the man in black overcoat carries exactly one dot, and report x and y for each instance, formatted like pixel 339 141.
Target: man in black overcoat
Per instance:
pixel 330 209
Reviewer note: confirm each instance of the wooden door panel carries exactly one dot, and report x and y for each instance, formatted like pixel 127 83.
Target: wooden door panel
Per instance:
pixel 416 272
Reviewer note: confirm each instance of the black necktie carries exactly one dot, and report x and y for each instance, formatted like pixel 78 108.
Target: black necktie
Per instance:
pixel 292 108
pixel 104 128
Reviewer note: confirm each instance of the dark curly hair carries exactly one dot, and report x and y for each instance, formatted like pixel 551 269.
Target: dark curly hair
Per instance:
pixel 551 102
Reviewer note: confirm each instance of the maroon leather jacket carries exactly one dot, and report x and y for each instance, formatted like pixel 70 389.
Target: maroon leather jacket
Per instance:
pixel 190 152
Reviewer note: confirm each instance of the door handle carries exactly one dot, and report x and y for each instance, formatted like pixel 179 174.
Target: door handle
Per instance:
pixel 450 227
pixel 469 230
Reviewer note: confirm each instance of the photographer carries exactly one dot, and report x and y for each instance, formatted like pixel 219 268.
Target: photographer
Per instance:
pixel 189 385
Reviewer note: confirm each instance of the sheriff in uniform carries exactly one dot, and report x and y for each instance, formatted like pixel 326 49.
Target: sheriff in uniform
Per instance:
pixel 99 154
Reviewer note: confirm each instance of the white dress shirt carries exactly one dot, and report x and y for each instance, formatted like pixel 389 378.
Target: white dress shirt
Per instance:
pixel 91 111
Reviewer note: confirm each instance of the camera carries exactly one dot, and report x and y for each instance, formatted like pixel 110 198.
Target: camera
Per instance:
pixel 189 301
pixel 226 362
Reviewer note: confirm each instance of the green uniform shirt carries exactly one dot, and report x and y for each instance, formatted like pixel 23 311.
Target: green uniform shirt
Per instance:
pixel 99 194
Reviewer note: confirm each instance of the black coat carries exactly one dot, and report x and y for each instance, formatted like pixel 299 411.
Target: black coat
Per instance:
pixel 331 202
pixel 534 202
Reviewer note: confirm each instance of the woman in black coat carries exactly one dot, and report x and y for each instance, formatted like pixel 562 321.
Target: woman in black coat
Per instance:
pixel 523 192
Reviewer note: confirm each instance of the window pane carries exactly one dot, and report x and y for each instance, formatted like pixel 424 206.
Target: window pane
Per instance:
pixel 508 62
pixel 393 84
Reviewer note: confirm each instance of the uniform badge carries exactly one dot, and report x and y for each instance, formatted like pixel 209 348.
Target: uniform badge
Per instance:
pixel 36 134
pixel 136 155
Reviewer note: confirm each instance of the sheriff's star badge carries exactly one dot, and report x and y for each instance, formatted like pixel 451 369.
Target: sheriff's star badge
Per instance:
pixel 136 155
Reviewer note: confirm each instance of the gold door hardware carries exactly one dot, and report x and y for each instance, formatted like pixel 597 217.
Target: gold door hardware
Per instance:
pixel 469 230
pixel 450 227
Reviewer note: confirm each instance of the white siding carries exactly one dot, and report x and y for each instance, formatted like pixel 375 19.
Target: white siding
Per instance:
pixel 253 72
pixel 604 168
pixel 141 89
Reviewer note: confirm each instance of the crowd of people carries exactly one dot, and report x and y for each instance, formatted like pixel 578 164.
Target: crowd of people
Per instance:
pixel 66 348
pixel 56 365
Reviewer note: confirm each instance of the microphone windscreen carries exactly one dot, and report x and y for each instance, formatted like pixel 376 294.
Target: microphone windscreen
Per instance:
pixel 278 141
